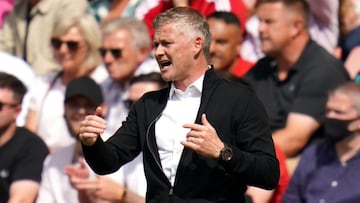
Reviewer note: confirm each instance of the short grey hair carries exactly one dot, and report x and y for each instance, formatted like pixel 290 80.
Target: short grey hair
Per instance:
pixel 187 21
pixel 352 89
pixel 140 37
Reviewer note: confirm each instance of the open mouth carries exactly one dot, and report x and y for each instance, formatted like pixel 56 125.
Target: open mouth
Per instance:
pixel 165 64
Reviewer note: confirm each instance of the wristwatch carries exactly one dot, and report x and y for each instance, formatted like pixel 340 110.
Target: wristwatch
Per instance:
pixel 226 153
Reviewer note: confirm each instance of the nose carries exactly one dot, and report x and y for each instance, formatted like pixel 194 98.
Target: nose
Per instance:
pixel 63 48
pixel 108 57
pixel 159 51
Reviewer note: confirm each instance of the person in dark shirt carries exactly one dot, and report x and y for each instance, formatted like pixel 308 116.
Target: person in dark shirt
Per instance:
pixel 295 76
pixel 22 153
pixel 329 171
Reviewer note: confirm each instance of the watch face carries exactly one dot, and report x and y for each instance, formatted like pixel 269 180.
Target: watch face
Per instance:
pixel 226 154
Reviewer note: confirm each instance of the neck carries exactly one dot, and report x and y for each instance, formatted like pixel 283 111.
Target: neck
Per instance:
pixel 196 72
pixel 348 148
pixel 286 59
pixel 7 133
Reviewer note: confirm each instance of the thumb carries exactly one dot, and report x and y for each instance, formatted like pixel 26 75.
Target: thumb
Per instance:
pixel 98 111
pixel 204 121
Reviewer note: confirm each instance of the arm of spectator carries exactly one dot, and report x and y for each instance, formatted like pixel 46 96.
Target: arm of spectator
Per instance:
pixel 31 121
pixel 325 28
pixel 24 191
pixel 100 187
pixel 325 12
pixel 352 62
pixel 296 134
pixel 259 195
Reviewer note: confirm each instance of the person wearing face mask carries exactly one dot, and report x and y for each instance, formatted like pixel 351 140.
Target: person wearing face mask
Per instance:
pixel 329 170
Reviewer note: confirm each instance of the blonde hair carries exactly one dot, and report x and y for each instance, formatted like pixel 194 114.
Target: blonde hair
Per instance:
pixel 90 31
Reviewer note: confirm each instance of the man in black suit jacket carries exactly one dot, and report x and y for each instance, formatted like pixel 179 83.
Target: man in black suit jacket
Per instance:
pixel 212 159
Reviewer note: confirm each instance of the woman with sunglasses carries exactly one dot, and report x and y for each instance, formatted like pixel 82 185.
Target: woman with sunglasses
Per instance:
pixel 75 41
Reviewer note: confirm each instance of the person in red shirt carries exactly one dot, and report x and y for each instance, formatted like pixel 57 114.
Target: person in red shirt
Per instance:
pixel 226 40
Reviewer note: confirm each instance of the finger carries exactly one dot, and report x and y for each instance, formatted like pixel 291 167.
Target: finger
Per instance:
pixel 99 112
pixel 204 120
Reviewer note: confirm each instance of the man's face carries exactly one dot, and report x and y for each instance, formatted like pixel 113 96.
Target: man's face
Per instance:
pixel 9 108
pixel 174 52
pixel 340 106
pixel 121 67
pixel 76 109
pixel 225 44
pixel 348 17
pixel 276 27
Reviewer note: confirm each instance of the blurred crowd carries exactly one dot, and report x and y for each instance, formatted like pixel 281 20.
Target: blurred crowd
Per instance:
pixel 60 59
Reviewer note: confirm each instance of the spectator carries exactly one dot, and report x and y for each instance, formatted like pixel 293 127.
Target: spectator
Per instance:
pixel 323 27
pixel 293 79
pixel 130 173
pixel 329 171
pixel 18 68
pixel 212 160
pixel 143 83
pixel 349 43
pixel 226 40
pixel 75 40
pixel 21 152
pixel 27 30
pixel 126 53
pixel 82 96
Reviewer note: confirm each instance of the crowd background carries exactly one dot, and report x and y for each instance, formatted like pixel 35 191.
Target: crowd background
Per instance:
pixel 49 43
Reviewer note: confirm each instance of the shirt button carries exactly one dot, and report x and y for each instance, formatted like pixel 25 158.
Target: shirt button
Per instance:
pixel 334 183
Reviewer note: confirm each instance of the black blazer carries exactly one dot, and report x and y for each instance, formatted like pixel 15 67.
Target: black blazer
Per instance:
pixel 240 121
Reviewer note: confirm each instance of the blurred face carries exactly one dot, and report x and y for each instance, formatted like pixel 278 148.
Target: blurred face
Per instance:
pixel 275 27
pixel 174 53
pixel 348 16
pixel 121 58
pixel 225 44
pixel 70 49
pixel 139 88
pixel 339 106
pixel 9 108
pixel 75 111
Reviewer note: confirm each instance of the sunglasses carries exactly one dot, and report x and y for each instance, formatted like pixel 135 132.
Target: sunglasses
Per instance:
pixel 116 53
pixel 71 45
pixel 2 104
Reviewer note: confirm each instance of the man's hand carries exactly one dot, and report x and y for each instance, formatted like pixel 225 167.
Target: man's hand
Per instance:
pixel 92 127
pixel 203 139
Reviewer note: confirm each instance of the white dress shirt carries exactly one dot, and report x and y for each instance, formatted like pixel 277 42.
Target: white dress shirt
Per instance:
pixel 182 108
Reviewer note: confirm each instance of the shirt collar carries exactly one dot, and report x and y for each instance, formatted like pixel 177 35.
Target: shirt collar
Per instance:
pixel 195 88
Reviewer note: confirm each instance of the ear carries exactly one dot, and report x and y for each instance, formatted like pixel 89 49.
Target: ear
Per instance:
pixel 198 45
pixel 298 26
pixel 17 111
